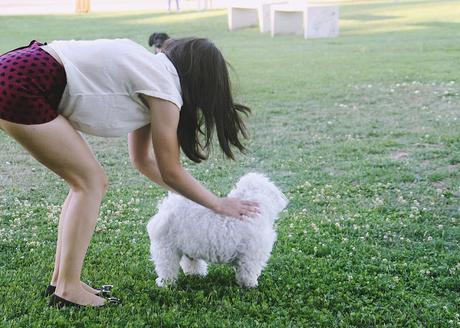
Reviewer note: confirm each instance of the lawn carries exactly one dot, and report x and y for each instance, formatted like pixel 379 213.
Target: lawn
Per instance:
pixel 362 133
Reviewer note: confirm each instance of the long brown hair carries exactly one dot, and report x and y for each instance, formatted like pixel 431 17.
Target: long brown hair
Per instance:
pixel 207 97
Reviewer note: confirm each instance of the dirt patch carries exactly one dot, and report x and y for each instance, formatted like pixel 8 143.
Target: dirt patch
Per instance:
pixel 453 168
pixel 399 155
pixel 440 186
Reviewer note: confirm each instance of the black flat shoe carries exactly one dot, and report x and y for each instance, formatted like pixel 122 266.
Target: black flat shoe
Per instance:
pixel 60 302
pixel 49 290
pixel 104 291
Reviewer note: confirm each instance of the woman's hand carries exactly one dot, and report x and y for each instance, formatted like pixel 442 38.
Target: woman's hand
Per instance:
pixel 237 208
pixel 164 123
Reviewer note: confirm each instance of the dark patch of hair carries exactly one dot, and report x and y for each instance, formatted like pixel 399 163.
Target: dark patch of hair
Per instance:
pixel 158 39
pixel 207 97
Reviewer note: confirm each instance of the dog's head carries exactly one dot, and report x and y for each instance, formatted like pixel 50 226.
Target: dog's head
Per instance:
pixel 158 39
pixel 257 187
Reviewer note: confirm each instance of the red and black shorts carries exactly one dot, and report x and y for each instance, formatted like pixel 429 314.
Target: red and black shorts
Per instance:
pixel 31 85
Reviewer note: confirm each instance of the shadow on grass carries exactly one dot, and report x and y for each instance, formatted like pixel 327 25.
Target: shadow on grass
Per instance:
pixel 385 5
pixel 438 25
pixel 369 17
pixel 217 285
pixel 219 277
pixel 137 26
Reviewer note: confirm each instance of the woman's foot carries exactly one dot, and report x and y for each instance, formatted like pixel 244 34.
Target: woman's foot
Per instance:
pixel 79 296
pixel 89 289
pixel 52 287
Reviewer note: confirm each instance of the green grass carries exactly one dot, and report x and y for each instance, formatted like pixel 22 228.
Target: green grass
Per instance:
pixel 362 134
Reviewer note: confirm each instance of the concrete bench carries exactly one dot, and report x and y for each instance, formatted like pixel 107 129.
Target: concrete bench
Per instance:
pixel 250 13
pixel 309 20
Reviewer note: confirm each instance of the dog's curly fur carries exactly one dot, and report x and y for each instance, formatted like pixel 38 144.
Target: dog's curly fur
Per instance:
pixel 188 235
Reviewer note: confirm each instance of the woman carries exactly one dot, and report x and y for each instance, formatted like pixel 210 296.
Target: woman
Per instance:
pixel 164 102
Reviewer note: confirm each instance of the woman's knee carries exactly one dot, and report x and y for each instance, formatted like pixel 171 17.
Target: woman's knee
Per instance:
pixel 94 181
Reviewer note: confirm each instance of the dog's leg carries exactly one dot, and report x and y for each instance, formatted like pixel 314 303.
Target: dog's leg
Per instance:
pixel 248 271
pixel 166 264
pixel 193 267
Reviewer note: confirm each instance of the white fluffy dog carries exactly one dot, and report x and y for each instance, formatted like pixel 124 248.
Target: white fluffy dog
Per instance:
pixel 187 234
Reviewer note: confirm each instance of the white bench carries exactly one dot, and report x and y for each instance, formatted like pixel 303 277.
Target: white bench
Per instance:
pixel 310 20
pixel 250 13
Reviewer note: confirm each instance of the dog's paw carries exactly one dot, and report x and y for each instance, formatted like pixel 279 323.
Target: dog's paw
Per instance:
pixel 164 282
pixel 247 283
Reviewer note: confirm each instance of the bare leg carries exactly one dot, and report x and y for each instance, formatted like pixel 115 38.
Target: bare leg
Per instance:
pixel 59 147
pixel 57 259
pixel 76 235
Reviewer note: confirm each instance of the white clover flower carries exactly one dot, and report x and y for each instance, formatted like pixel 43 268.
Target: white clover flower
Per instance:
pixel 313 225
pixel 378 201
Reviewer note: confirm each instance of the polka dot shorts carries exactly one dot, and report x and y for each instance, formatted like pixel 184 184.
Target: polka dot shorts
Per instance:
pixel 31 85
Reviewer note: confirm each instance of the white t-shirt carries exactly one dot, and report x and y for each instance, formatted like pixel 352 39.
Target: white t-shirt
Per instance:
pixel 105 79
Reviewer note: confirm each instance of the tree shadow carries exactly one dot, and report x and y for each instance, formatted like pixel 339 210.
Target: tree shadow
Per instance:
pixel 369 17
pixel 382 5
pixel 438 25
pixel 137 26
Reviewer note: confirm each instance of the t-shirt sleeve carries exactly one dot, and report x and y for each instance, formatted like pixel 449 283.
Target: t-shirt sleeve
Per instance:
pixel 175 99
pixel 157 77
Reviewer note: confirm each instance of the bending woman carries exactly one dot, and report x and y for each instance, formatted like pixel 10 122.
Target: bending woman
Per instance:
pixel 165 102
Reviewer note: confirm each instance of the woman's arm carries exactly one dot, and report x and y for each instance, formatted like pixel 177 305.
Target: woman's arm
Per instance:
pixel 142 156
pixel 164 123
